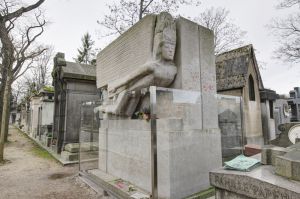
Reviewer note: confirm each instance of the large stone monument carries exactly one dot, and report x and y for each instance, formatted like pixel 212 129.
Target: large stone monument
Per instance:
pixel 177 54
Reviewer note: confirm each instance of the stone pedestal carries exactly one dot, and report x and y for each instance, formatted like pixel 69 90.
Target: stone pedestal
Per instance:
pixel 184 156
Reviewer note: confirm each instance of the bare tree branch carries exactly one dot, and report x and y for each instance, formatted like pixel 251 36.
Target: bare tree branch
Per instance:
pixel 227 35
pixel 287 32
pixel 22 10
pixel 288 3
pixel 13 58
pixel 125 13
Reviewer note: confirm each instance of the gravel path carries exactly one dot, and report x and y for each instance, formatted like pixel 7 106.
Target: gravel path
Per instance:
pixel 32 173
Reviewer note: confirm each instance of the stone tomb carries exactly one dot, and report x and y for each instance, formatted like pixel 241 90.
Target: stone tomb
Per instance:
pixel 164 52
pixel 73 83
pixel 261 183
pixel 279 177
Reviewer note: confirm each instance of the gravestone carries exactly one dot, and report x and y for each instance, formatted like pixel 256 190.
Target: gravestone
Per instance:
pixel 176 54
pixel 294 103
pixel 231 134
pixel 281 113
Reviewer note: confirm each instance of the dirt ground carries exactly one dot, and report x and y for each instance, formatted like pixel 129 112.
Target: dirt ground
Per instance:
pixel 32 173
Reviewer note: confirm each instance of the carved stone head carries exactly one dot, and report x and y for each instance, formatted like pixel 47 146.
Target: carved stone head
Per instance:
pixel 165 37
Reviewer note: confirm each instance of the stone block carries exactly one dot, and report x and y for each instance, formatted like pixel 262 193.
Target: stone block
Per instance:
pixel 266 154
pixel 68 156
pixel 252 149
pixel 129 51
pixel 72 147
pixel 187 55
pixel 125 152
pixel 208 78
pixel 283 167
pixel 260 183
pixel 289 165
pixel 270 152
pixel 84 146
pixel 283 139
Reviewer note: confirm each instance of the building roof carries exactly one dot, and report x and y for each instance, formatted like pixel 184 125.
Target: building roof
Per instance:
pixel 268 94
pixel 72 70
pixel 232 68
pixel 79 71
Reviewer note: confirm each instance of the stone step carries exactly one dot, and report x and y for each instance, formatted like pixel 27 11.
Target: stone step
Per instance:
pixel 85 146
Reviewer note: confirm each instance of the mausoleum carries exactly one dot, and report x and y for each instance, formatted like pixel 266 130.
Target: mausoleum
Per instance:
pixel 238 75
pixel 73 83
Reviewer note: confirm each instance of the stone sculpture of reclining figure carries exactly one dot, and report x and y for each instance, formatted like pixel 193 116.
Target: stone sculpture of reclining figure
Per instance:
pixel 160 71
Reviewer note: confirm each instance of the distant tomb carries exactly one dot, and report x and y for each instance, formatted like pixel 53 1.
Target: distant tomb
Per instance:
pixel 237 74
pixel 294 103
pixel 73 83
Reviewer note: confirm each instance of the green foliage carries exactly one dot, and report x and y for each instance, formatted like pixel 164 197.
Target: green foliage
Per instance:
pixel 48 88
pixel 42 153
pixel 36 149
pixel 86 54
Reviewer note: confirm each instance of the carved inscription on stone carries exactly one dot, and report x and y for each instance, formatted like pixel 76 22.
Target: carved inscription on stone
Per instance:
pixel 251 187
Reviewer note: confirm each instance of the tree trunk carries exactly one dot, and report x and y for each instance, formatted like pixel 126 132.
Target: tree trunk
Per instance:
pixel 6 100
pixel 1 103
pixel 141 9
pixel 7 119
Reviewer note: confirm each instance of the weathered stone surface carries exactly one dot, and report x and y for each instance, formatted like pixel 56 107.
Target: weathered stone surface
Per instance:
pixel 131 50
pixel 72 147
pixel 232 67
pixel 125 152
pixel 288 165
pixel 270 152
pixel 208 77
pixel 261 183
pixel 229 118
pixel 187 56
pixel 281 113
pixel 294 103
pixel 157 69
pixel 68 156
pixel 266 154
pixel 283 167
pixel 237 73
pixel 73 84
pixel 283 139
pixel 84 146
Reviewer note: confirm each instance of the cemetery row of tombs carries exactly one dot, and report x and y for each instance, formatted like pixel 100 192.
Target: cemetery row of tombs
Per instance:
pixel 159 111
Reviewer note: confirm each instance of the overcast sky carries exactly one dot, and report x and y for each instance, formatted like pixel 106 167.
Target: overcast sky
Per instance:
pixel 70 19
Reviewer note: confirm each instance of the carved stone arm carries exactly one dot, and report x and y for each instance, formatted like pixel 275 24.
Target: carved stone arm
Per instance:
pixel 136 74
